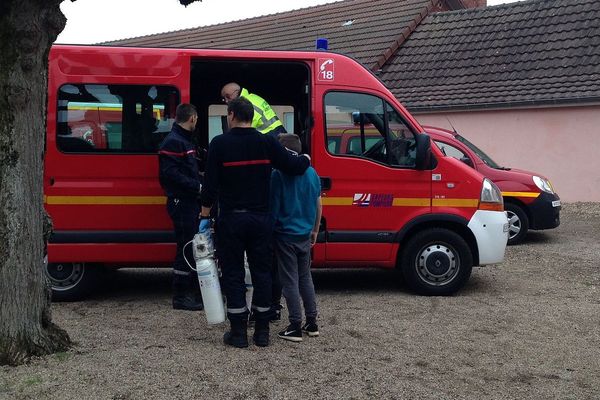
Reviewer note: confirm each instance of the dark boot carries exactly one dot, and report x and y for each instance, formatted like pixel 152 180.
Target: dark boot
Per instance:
pixel 238 335
pixel 276 312
pixel 185 296
pixel 187 302
pixel 261 331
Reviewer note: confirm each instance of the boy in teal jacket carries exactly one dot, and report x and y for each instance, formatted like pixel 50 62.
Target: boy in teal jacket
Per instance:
pixel 296 208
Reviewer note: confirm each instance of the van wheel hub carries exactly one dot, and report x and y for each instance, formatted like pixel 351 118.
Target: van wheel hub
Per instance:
pixel 64 275
pixel 437 264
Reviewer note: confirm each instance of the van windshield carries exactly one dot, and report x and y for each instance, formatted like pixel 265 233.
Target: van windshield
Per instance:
pixel 486 159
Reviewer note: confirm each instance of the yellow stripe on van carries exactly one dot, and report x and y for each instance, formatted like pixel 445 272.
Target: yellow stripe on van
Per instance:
pixel 455 203
pixel 397 202
pixel 105 200
pixel 336 201
pixel 419 202
pixel 407 202
pixel 520 194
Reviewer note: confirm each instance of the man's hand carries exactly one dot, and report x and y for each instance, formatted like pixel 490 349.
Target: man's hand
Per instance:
pixel 313 237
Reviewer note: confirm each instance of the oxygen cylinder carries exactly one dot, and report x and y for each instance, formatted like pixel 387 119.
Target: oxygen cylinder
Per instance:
pixel 249 287
pixel 208 276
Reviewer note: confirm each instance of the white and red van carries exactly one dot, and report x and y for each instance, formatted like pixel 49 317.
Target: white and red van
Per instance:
pixel 392 201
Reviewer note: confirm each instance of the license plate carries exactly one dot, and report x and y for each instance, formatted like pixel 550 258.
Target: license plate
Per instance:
pixel 556 203
pixel 505 228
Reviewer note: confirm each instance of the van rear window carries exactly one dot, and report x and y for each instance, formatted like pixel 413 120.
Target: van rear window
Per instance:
pixel 126 119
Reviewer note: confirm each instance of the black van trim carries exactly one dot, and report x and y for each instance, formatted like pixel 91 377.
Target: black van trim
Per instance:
pixel 112 237
pixel 360 237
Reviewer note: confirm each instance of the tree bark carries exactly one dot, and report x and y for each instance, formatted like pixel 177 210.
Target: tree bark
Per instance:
pixel 27 30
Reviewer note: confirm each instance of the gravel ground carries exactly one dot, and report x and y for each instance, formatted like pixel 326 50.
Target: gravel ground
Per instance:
pixel 526 329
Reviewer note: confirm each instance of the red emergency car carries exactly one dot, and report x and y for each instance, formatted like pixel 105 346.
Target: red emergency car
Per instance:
pixel 529 198
pixel 394 201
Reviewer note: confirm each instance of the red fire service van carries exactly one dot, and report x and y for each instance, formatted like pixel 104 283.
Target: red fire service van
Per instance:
pixel 392 201
pixel 529 198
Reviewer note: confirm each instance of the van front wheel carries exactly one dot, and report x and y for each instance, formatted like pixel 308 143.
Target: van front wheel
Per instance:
pixel 436 262
pixel 518 223
pixel 71 281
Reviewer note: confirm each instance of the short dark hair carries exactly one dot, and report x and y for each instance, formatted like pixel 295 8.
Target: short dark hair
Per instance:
pixel 242 109
pixel 290 141
pixel 184 112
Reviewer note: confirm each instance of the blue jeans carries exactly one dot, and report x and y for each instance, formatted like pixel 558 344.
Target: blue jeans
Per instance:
pixel 293 260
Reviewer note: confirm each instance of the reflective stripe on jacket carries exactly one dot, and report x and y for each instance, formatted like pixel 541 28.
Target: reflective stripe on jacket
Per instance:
pixel 264 119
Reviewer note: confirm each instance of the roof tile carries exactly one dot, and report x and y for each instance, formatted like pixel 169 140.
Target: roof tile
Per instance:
pixel 377 23
pixel 536 50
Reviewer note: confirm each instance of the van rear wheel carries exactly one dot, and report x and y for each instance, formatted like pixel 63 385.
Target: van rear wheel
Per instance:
pixel 72 281
pixel 436 262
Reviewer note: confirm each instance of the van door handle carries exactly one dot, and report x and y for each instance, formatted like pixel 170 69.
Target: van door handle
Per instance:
pixel 325 183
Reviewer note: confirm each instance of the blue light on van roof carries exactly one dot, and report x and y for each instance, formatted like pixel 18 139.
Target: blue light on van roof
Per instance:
pixel 322 44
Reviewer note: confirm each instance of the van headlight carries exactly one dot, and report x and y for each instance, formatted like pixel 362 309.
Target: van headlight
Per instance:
pixel 543 184
pixel 491 197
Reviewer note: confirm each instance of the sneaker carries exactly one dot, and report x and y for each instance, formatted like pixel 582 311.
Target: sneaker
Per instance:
pixel 311 329
pixel 291 334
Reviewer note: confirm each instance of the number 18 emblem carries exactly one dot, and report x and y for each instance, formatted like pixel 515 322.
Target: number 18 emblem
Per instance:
pixel 326 69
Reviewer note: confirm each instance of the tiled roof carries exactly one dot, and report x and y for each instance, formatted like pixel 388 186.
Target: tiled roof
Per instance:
pixel 530 52
pixel 375 25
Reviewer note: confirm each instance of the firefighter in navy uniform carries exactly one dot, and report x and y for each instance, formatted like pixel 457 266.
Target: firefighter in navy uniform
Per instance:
pixel 265 121
pixel 238 173
pixel 180 179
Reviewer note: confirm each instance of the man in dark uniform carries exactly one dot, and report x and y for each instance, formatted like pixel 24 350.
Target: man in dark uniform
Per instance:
pixel 181 182
pixel 238 172
pixel 266 121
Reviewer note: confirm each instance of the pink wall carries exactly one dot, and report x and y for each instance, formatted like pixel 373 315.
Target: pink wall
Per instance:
pixel 561 143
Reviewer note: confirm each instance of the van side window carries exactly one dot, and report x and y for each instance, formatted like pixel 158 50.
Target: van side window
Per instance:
pixel 366 126
pixel 114 118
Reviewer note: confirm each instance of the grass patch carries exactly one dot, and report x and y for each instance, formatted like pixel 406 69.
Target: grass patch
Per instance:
pixel 4 387
pixel 62 356
pixel 32 381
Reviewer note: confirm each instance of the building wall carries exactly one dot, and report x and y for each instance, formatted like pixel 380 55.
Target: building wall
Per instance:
pixel 562 144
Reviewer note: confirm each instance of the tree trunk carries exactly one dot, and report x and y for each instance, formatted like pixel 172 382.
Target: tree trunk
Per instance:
pixel 27 30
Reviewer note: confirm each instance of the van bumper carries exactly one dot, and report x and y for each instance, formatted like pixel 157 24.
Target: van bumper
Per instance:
pixel 545 212
pixel 491 233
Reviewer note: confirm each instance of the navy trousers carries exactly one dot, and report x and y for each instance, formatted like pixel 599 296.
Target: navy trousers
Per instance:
pixel 240 232
pixel 184 214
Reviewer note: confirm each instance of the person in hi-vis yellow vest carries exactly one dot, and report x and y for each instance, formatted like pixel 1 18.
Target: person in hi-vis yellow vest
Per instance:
pixel 265 120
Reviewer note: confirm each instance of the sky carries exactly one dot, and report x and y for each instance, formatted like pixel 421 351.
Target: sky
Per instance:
pixel 93 21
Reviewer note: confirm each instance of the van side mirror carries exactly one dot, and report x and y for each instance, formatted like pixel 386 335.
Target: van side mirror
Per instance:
pixel 423 158
pixel 467 161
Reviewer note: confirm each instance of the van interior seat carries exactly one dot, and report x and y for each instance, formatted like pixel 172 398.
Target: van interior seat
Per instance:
pixel 71 144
